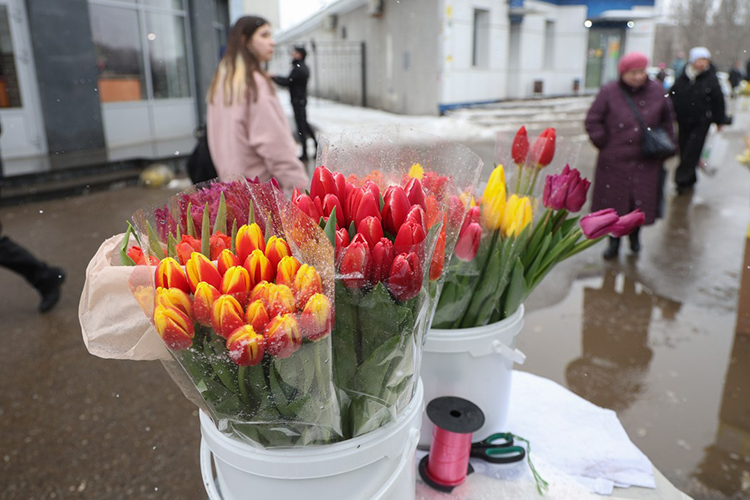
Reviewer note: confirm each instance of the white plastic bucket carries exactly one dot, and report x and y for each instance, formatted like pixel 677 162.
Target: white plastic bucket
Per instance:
pixel 378 465
pixel 474 364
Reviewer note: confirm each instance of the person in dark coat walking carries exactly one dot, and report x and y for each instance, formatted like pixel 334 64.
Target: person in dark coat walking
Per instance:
pixel 735 76
pixel 297 84
pixel 625 179
pixel 698 101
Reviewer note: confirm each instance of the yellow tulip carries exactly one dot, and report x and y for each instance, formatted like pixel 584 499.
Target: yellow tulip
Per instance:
pixel 517 216
pixel 493 200
pixel 416 171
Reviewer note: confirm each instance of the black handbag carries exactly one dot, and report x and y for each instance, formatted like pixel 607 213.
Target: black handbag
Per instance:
pixel 200 167
pixel 656 141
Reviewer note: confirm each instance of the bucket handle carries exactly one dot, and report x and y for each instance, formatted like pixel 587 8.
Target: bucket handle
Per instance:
pixel 208 478
pixel 406 459
pixel 512 354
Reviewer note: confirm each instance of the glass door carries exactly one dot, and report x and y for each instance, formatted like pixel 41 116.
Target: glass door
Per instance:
pixel 20 111
pixel 603 55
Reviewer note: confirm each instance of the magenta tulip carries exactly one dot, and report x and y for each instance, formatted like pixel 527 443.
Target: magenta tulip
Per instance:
pixel 599 223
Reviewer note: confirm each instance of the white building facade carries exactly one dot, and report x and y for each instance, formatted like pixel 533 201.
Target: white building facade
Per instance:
pixel 427 56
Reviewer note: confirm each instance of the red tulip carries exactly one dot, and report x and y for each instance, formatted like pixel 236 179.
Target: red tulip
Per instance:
pixel 203 303
pixel 187 245
pixel 371 230
pixel 416 214
pixel 199 268
pixel 174 327
pixel 322 183
pixel 599 223
pixel 218 243
pixel 382 258
pixel 373 188
pixel 342 240
pixel 368 206
pixel 410 237
pixel 438 257
pixel 544 148
pixel 520 147
pixel 169 274
pixel 342 187
pixel 226 260
pixel 468 242
pixel 310 207
pixel 136 253
pixel 316 319
pixel 330 202
pixel 283 337
pixel 246 346
pixel 355 263
pixel 415 193
pixel 628 223
pixel 405 279
pixel 395 209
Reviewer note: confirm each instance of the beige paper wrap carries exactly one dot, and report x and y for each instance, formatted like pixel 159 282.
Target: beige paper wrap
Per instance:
pixel 112 323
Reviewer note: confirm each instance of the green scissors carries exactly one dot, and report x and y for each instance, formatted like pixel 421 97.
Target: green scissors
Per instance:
pixel 498 449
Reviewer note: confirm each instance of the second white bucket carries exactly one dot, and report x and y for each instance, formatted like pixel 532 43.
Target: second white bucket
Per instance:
pixel 376 466
pixel 474 364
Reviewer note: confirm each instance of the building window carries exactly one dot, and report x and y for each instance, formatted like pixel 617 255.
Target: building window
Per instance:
pixel 549 45
pixel 128 32
pixel 221 21
pixel 10 93
pixel 480 56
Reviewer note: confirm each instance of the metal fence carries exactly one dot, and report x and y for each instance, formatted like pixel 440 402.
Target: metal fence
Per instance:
pixel 337 69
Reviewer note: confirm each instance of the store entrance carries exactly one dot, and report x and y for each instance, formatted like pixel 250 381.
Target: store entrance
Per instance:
pixel 604 50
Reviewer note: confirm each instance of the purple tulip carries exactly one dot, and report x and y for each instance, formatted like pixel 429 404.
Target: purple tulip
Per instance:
pixel 555 191
pixel 627 223
pixel 599 223
pixel 565 190
pixel 577 192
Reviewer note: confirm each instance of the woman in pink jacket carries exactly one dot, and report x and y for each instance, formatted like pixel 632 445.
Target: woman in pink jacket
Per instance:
pixel 248 133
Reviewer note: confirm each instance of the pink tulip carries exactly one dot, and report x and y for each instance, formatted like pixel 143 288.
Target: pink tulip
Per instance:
pixel 599 223
pixel 628 223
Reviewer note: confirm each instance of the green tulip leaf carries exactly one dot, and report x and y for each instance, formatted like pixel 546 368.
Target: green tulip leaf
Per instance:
pixel 205 234
pixel 125 259
pixel 153 242
pixel 190 221
pixel 220 224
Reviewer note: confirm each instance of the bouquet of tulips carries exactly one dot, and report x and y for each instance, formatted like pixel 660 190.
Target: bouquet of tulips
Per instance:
pixel 506 248
pixel 390 229
pixel 239 286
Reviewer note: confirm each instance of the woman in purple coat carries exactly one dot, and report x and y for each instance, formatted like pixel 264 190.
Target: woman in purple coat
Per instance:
pixel 625 179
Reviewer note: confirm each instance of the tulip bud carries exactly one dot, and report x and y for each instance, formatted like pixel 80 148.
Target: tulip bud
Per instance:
pixel 373 188
pixel 283 336
pixel 468 242
pixel 520 147
pixel 227 315
pixel 410 237
pixel 342 240
pixel 310 207
pixel 472 215
pixel 236 282
pixel 226 260
pixel 199 268
pixel 169 274
pixel 322 183
pixel 342 187
pixel 493 200
pixel 246 346
pixel 174 327
pixel 316 319
pixel 203 303
pixel 405 279
pixel 628 223
pixel 382 258
pixel 257 316
pixel 368 206
pixel 174 297
pixel 218 243
pixel 438 258
pixel 280 300
pixel 261 292
pixel 577 192
pixel 187 245
pixel 249 238
pixel 287 270
pixel 354 264
pixel 543 149
pixel 416 214
pixel 415 193
pixel 517 215
pixel 276 249
pixel 599 223
pixel 371 230
pixel 259 267
pixel 330 202
pixel 306 284
pixel 395 209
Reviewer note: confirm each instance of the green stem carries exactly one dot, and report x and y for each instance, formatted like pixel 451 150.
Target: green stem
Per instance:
pixel 243 388
pixel 533 180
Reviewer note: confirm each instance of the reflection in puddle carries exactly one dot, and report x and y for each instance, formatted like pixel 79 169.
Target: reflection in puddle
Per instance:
pixel 616 352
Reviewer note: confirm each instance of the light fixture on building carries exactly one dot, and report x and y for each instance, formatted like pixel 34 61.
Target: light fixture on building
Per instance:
pixel 631 24
pixel 151 36
pixel 587 23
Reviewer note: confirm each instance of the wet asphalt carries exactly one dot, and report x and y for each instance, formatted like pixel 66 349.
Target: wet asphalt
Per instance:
pixel 662 338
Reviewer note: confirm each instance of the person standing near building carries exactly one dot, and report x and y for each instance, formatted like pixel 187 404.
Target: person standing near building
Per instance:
pixel 625 179
pixel 735 76
pixel 297 84
pixel 678 64
pixel 248 133
pixel 698 101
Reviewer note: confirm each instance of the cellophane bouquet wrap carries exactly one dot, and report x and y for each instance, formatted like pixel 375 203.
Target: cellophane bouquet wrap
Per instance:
pixel 390 202
pixel 512 237
pixel 239 285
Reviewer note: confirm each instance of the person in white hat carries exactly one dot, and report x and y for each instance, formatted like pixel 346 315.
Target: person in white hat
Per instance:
pixel 698 102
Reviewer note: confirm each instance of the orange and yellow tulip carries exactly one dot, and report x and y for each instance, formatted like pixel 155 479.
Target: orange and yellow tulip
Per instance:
pixel 174 327
pixel 236 282
pixel 227 315
pixel 280 300
pixel 249 238
pixel 283 336
pixel 259 267
pixel 174 297
pixel 169 274
pixel 203 303
pixel 261 292
pixel 257 316
pixel 199 268
pixel 277 249
pixel 226 260
pixel 287 270
pixel 307 283
pixel 246 346
pixel 316 319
